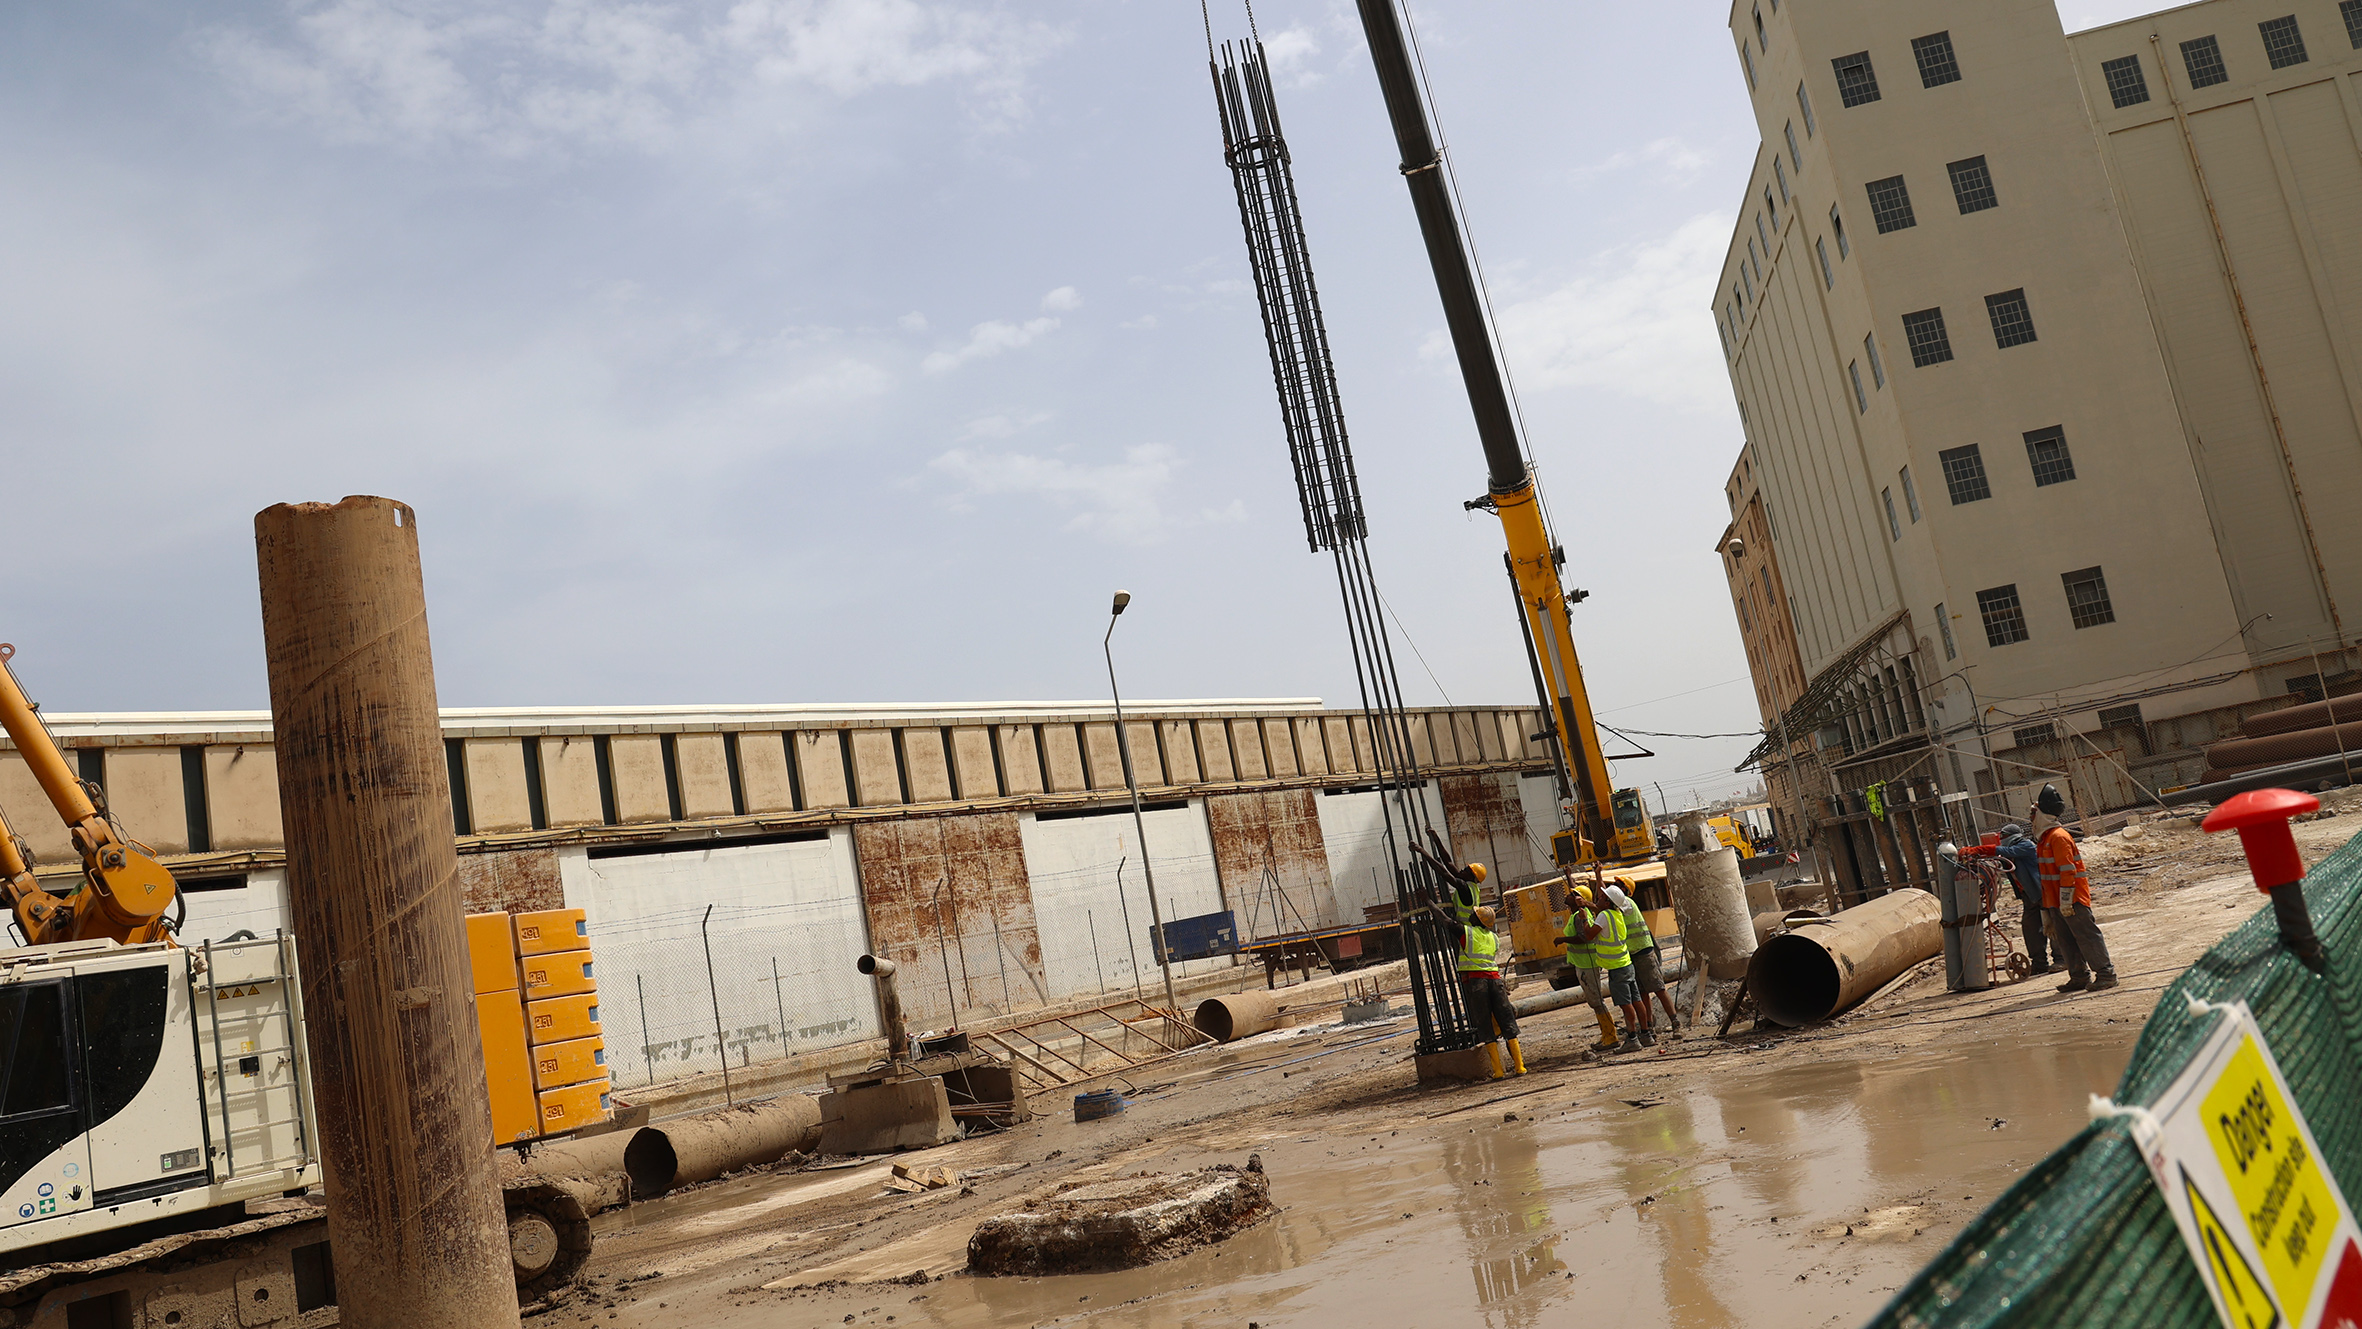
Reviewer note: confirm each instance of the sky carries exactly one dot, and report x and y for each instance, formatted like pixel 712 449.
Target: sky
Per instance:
pixel 746 351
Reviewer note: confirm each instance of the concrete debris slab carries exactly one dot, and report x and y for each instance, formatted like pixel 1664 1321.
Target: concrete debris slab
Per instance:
pixel 1123 1223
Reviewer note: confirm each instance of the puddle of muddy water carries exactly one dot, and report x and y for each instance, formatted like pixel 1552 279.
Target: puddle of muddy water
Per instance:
pixel 1695 1214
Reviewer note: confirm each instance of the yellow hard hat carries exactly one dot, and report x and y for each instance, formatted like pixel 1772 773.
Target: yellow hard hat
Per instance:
pixel 1476 870
pixel 1582 893
pixel 1484 917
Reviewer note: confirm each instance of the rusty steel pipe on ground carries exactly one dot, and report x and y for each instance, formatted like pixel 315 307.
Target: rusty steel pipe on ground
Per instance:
pixel 1237 1015
pixel 1822 966
pixel 415 1217
pixel 689 1150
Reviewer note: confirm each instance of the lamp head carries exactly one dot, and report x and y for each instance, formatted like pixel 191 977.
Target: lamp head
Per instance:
pixel 1122 598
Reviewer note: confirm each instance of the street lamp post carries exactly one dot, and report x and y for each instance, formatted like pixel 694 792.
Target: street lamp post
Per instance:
pixel 1123 747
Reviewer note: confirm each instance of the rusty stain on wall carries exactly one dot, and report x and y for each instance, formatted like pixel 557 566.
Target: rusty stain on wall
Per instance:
pixel 1272 861
pixel 511 881
pixel 1485 819
pixel 953 889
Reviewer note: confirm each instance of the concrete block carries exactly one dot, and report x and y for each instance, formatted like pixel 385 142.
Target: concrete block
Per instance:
pixel 1337 730
pixel 1311 750
pixel 762 773
pixel 636 764
pixel 1453 1067
pixel 496 799
pixel 971 762
pixel 144 792
pixel 1122 1224
pixel 927 765
pixel 570 781
pixel 1145 760
pixel 1021 759
pixel 242 796
pixel 1465 738
pixel 880 779
pixel 1106 763
pixel 820 766
pixel 1062 753
pixel 1365 756
pixel 1279 744
pixel 879 1118
pixel 1422 739
pixel 1180 747
pixel 1246 749
pixel 702 766
pixel 30 814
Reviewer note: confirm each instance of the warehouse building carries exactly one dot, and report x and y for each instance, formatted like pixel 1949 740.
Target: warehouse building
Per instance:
pixel 2048 351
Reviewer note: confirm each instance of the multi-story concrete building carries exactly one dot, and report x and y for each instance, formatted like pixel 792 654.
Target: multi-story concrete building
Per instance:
pixel 2049 355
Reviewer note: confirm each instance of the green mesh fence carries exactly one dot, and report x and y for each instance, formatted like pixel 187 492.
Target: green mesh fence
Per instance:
pixel 2085 1238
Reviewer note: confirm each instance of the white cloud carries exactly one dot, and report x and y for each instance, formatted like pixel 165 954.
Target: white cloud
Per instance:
pixel 1633 323
pixel 1117 500
pixel 989 339
pixel 914 321
pixel 1140 324
pixel 1290 51
pixel 1668 159
pixel 1062 299
pixel 1002 425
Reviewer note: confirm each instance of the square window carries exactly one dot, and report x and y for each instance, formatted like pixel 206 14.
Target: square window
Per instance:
pixel 1972 186
pixel 2087 598
pixel 1877 368
pixel 1747 62
pixel 1924 333
pixel 1944 624
pixel 1857 83
pixel 2121 717
pixel 2013 323
pixel 2284 42
pixel 2351 10
pixel 1837 224
pixel 1861 399
pixel 1829 275
pixel 2204 59
pixel 1964 474
pixel 2046 449
pixel 1894 528
pixel 1910 494
pixel 1890 204
pixel 2005 619
pixel 1804 101
pixel 2128 86
pixel 1749 279
pixel 1796 158
pixel 1937 63
pixel 1773 209
pixel 1780 174
pixel 2032 734
pixel 1724 329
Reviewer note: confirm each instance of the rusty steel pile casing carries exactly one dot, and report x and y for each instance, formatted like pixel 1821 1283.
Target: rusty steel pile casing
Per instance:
pixel 2237 756
pixel 689 1150
pixel 1821 967
pixel 415 1217
pixel 1711 900
pixel 1237 1015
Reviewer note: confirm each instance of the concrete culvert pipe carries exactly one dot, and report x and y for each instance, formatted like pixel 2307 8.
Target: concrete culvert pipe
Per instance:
pixel 689 1150
pixel 1823 966
pixel 1238 1015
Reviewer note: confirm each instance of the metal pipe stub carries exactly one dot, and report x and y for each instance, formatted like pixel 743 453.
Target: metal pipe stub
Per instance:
pixel 1822 966
pixel 1237 1015
pixel 889 1004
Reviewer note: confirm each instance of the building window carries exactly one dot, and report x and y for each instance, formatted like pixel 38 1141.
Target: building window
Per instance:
pixel 2034 733
pixel 2204 59
pixel 1937 64
pixel 1861 399
pixel 1747 62
pixel 1924 333
pixel 2284 44
pixel 2087 598
pixel 1828 274
pixel 1780 174
pixel 1796 158
pixel 1857 83
pixel 1750 282
pixel 1944 625
pixel 2047 450
pixel 2121 717
pixel 1837 224
pixel 1890 204
pixel 2351 9
pixel 1964 474
pixel 1972 186
pixel 1773 209
pixel 2013 323
pixel 1804 101
pixel 1894 529
pixel 1910 494
pixel 1724 329
pixel 2127 86
pixel 2005 621
pixel 1877 366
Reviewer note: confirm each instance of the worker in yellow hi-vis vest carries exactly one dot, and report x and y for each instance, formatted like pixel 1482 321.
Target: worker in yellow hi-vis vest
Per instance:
pixel 1602 925
pixel 1584 962
pixel 1483 993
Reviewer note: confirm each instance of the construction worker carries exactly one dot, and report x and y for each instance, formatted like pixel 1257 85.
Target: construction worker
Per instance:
pixel 2066 899
pixel 1483 993
pixel 1584 961
pixel 2026 880
pixel 1646 971
pixel 1610 939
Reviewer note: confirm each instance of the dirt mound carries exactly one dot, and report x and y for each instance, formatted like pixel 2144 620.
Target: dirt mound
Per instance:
pixel 1094 1226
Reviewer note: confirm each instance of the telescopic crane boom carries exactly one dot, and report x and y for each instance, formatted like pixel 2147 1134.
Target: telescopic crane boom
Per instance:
pixel 125 891
pixel 1604 829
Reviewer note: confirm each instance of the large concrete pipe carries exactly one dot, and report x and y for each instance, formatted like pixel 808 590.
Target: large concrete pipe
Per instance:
pixel 416 1226
pixel 1237 1015
pixel 1820 967
pixel 1711 901
pixel 689 1150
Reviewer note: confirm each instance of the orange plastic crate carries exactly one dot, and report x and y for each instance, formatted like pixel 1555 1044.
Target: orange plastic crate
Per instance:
pixel 574 1107
pixel 491 953
pixel 556 1065
pixel 566 974
pixel 551 930
pixel 562 1019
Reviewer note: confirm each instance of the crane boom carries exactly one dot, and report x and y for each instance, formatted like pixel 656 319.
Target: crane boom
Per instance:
pixel 125 891
pixel 1510 494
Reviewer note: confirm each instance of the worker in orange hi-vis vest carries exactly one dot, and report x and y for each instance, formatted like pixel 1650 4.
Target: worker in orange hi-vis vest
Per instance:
pixel 2066 899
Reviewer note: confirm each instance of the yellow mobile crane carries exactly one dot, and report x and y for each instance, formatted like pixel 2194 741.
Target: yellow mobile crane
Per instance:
pixel 1608 824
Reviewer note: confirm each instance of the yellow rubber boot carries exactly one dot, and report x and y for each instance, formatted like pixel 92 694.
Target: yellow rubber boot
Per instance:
pixel 1492 1061
pixel 1516 1058
pixel 1607 1030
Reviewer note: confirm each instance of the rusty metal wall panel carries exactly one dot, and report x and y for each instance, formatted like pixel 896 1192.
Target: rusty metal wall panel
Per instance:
pixel 636 764
pixel 703 769
pixel 570 781
pixel 1021 759
pixel 878 779
pixel 762 772
pixel 1102 759
pixel 1213 748
pixel 1485 820
pixel 1273 861
pixel 971 762
pixel 948 901
pixel 1246 750
pixel 1310 750
pixel 1279 744
pixel 820 767
pixel 1180 749
pixel 1062 752
pixel 511 881
pixel 926 765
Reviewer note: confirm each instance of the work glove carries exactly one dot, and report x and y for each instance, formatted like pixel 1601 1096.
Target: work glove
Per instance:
pixel 2066 905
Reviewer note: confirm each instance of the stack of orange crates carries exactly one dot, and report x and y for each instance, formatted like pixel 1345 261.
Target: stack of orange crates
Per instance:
pixel 545 1062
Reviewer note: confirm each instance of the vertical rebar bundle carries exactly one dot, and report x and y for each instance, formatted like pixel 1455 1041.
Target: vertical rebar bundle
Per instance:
pixel 1322 458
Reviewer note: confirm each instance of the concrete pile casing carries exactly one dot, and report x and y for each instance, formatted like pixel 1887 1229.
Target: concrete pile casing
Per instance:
pixel 1712 902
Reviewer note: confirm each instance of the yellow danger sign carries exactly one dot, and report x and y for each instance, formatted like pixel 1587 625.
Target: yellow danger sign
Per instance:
pixel 2236 1288
pixel 2281 1190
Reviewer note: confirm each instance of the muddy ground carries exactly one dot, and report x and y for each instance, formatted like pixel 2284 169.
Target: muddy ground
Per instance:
pixel 1781 1177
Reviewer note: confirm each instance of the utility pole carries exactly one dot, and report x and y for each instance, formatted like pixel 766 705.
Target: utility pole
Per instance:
pixel 1123 747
